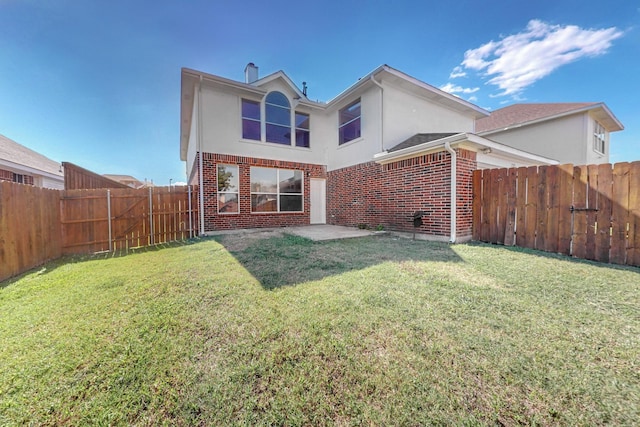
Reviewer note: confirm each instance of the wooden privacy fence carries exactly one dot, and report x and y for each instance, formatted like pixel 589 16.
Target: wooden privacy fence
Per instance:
pixel 590 212
pixel 118 219
pixel 29 227
pixel 38 225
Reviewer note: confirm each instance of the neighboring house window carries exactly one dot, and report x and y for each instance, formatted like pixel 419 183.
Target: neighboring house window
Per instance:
pixel 302 130
pixel 276 190
pixel 349 125
pixel 250 119
pixel 598 137
pixel 228 189
pixel 278 118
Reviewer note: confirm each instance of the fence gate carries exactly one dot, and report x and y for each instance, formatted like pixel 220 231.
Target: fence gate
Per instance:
pixel 118 219
pixel 590 212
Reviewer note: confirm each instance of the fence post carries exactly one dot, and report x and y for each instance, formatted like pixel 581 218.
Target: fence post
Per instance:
pixel 109 215
pixel 151 216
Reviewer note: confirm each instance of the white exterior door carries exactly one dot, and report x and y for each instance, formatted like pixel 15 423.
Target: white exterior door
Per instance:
pixel 318 196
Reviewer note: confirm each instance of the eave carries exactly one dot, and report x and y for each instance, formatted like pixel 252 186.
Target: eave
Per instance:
pixel 468 141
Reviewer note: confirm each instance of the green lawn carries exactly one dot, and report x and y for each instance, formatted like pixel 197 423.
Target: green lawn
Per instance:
pixel 284 331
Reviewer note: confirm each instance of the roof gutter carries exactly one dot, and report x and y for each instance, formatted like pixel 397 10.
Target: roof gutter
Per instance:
pixel 454 195
pixel 200 162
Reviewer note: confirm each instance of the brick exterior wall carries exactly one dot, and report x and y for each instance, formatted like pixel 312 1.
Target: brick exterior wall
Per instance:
pixel 387 195
pixel 246 219
pixel 366 194
pixel 464 188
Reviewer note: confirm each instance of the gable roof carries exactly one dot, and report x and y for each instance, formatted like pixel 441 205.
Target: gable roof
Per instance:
pixel 518 115
pixel 12 153
pixel 415 86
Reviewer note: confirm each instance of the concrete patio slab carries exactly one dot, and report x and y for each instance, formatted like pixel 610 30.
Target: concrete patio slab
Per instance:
pixel 329 232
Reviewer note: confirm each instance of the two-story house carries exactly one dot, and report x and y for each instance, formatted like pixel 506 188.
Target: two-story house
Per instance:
pixel 264 155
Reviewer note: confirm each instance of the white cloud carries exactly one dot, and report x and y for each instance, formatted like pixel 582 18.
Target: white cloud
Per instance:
pixel 457 72
pixel 472 99
pixel 453 89
pixel 517 61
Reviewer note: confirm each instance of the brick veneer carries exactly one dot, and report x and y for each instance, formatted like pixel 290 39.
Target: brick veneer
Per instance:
pixel 387 195
pixel 246 219
pixel 365 194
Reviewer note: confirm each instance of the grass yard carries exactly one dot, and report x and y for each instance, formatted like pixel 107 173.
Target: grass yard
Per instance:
pixel 284 331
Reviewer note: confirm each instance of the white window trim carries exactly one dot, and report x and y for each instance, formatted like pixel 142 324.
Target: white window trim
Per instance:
pixel 599 138
pixel 218 192
pixel 340 126
pixel 277 193
pixel 263 123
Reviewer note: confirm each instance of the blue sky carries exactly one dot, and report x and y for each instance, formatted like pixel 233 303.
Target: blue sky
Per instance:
pixel 97 83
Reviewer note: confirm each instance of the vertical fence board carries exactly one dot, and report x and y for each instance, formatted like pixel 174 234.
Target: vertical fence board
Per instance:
pixel 501 206
pixel 521 202
pixel 603 237
pixel 619 213
pixel 565 201
pixel 633 248
pixel 510 211
pixel 551 230
pixel 592 206
pixel 579 235
pixel 532 206
pixel 542 207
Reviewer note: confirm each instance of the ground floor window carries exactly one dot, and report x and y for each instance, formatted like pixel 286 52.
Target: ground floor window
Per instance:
pixel 276 190
pixel 228 189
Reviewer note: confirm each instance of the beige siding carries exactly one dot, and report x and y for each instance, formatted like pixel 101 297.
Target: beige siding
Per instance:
pixel 562 139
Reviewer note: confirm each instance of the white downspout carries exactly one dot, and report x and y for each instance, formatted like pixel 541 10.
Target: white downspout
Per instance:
pixel 381 113
pixel 200 167
pixel 454 196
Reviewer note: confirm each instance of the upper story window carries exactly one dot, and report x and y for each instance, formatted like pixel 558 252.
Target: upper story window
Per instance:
pixel 598 137
pixel 349 123
pixel 278 118
pixel 280 124
pixel 302 130
pixel 250 119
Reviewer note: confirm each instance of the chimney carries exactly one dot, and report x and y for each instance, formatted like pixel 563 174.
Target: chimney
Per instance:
pixel 250 73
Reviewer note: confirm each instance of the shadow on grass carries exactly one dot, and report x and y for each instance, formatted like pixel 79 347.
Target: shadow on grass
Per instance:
pixel 555 256
pixel 53 265
pixel 286 260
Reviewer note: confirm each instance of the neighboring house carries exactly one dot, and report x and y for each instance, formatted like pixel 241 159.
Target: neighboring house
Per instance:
pixel 21 164
pixel 127 180
pixel 575 133
pixel 264 155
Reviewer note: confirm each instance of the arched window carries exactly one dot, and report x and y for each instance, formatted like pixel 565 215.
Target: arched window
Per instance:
pixel 278 118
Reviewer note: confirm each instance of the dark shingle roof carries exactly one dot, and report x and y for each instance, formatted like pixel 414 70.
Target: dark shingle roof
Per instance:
pixel 420 138
pixel 21 155
pixel 524 113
